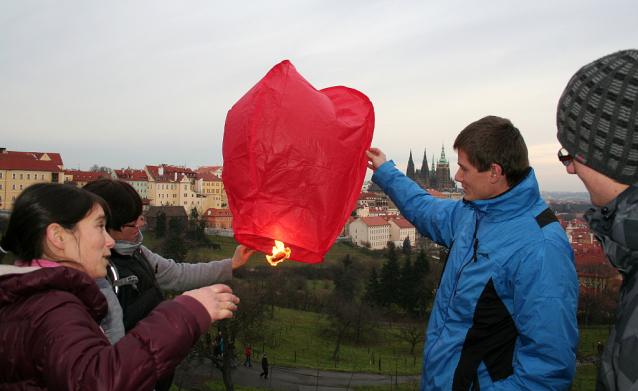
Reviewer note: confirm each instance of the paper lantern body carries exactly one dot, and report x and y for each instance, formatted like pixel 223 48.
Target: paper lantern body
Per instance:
pixel 294 162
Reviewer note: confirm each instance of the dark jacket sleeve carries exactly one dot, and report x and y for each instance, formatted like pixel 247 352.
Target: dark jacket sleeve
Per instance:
pixel 78 356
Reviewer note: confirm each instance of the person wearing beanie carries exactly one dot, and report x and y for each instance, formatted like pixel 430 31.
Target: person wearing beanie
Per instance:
pixel 597 122
pixel 504 316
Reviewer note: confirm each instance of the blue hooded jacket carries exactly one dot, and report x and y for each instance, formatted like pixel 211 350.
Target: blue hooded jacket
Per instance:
pixel 504 317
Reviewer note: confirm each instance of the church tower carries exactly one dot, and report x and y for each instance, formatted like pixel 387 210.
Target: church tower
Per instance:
pixel 425 171
pixel 410 171
pixel 443 179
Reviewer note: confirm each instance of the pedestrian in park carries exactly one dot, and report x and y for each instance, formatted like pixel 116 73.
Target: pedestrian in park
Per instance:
pixel 504 317
pixel 249 353
pixel 601 348
pixel 597 122
pixel 264 366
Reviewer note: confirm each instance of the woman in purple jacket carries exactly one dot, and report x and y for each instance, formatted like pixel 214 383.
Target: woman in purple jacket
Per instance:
pixel 51 307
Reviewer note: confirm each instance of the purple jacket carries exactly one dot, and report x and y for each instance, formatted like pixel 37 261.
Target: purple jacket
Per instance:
pixel 51 339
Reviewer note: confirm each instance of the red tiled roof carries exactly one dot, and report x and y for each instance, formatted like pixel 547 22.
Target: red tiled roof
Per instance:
pixel 217 212
pixel 402 223
pixel 131 175
pixel 207 169
pixel 55 157
pixel 28 165
pixel 208 177
pixel 374 221
pixel 86 175
pixel 435 192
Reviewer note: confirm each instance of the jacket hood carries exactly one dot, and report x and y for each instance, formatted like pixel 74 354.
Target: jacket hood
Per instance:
pixel 17 283
pixel 508 205
pixel 124 247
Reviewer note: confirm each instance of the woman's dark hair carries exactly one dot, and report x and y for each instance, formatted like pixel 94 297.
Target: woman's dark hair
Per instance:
pixel 37 207
pixel 123 200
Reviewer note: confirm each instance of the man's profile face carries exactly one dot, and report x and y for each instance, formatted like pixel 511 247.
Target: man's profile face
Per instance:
pixel 601 188
pixel 476 185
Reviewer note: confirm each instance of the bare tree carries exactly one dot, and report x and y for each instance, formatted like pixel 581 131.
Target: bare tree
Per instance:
pixel 411 332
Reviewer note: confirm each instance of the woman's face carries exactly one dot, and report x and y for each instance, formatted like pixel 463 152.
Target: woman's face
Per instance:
pixel 93 244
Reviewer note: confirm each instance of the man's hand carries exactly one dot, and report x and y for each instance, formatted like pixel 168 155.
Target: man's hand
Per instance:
pixel 375 158
pixel 242 253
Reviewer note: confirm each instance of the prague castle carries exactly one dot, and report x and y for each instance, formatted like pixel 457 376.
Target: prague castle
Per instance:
pixel 434 178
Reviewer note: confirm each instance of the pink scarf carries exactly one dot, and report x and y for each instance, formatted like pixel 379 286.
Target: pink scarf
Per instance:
pixel 37 262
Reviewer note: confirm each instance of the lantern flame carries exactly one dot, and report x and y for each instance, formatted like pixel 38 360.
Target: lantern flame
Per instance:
pixel 279 253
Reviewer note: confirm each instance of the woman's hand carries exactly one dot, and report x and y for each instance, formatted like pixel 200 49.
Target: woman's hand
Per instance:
pixel 218 300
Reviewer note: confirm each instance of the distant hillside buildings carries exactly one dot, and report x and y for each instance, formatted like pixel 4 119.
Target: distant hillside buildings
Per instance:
pixel 162 185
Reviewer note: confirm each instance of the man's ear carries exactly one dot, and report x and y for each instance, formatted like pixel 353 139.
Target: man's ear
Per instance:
pixel 496 173
pixel 56 236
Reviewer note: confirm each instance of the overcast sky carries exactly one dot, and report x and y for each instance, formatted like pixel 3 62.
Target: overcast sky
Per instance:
pixel 131 83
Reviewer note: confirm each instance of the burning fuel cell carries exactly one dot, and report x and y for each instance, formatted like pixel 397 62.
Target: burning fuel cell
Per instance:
pixel 279 253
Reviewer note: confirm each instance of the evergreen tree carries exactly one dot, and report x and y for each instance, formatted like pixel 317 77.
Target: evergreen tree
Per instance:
pixel 175 248
pixel 345 284
pixel 160 226
pixel 407 286
pixel 424 285
pixel 407 246
pixel 389 278
pixel 175 226
pixel 422 265
pixel 371 295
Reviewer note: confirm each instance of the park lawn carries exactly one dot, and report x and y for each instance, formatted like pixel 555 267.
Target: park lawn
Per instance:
pixel 588 338
pixel 300 342
pixel 585 379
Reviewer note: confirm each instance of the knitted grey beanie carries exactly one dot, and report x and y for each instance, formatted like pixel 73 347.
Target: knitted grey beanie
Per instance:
pixel 598 116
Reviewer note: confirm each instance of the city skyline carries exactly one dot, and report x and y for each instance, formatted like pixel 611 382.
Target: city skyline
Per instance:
pixel 123 84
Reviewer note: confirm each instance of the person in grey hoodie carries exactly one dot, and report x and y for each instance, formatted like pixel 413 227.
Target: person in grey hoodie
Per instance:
pixel 137 277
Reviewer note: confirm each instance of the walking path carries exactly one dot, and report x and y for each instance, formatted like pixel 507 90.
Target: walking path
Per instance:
pixel 300 379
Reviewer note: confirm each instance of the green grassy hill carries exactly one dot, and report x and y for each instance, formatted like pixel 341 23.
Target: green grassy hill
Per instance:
pixel 228 245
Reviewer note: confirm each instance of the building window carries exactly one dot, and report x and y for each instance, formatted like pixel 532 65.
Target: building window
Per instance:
pixel 13 198
pixel 13 176
pixel 185 195
pixel 0 175
pixel 21 176
pixel 184 187
pixel 28 176
pixel 20 187
pixel 13 187
pixel 42 177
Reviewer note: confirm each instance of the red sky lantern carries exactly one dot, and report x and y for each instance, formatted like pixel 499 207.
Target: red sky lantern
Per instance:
pixel 294 163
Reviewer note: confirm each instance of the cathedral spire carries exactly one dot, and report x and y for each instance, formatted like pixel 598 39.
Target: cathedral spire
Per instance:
pixel 425 172
pixel 443 160
pixel 410 171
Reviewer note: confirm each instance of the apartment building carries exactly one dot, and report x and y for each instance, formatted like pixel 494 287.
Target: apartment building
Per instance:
pixel 19 170
pixel 218 218
pixel 400 229
pixel 136 178
pixel 372 231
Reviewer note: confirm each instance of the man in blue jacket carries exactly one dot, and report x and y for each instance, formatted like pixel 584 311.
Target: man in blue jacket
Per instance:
pixel 504 317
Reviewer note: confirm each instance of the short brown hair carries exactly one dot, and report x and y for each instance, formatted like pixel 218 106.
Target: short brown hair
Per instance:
pixel 123 200
pixel 495 140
